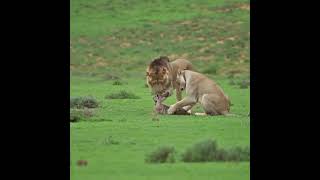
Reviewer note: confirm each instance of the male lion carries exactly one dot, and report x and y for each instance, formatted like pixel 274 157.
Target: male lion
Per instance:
pixel 200 88
pixel 162 76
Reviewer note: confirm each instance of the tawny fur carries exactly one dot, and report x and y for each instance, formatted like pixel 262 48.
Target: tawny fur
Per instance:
pixel 200 89
pixel 161 75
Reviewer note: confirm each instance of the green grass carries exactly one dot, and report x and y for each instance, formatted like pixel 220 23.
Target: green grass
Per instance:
pixel 129 122
pixel 122 95
pixel 111 43
pixel 122 36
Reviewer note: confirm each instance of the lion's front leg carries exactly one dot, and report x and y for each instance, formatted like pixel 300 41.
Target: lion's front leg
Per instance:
pixel 187 108
pixel 178 93
pixel 184 102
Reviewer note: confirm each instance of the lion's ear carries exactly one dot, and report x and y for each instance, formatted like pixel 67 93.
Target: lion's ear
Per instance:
pixel 165 58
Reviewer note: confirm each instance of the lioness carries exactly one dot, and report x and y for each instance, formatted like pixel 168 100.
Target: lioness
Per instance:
pixel 200 88
pixel 162 75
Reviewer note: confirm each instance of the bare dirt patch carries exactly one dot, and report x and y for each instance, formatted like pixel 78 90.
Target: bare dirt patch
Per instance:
pixel 125 45
pixel 241 6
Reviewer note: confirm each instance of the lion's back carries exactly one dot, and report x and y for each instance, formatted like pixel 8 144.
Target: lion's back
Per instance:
pixel 182 64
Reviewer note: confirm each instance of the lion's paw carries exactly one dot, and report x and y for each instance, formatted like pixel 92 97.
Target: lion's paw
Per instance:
pixel 171 109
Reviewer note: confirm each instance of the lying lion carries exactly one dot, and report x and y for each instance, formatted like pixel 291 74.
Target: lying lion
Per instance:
pixel 200 88
pixel 163 109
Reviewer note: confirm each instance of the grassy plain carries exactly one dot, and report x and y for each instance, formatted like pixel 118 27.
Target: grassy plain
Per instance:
pixel 111 44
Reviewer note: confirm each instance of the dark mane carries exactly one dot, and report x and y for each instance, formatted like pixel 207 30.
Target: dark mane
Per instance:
pixel 158 62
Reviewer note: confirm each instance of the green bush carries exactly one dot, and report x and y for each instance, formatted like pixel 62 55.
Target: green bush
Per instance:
pixel 111 141
pixel 117 83
pixel 83 102
pixel 238 154
pixel 164 154
pixel 75 115
pixel 208 150
pixel 80 114
pixel 200 152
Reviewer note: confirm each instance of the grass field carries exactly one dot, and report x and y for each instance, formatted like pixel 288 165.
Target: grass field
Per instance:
pixel 111 44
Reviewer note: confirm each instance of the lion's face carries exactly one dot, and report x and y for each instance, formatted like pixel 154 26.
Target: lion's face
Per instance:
pixel 159 81
pixel 158 77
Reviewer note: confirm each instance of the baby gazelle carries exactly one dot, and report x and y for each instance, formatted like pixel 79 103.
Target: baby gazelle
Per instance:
pixel 163 109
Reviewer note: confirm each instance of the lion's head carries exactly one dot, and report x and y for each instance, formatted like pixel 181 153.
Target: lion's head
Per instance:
pixel 159 76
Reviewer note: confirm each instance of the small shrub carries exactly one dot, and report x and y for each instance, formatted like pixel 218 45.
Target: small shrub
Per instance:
pixel 164 154
pixel 221 155
pixel 208 151
pixel 122 95
pixel 200 152
pixel 233 154
pixel 238 154
pixel 83 102
pixel 75 102
pixel 80 114
pixel 110 141
pixel 88 112
pixel 75 115
pixel 117 83
pixel 74 118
